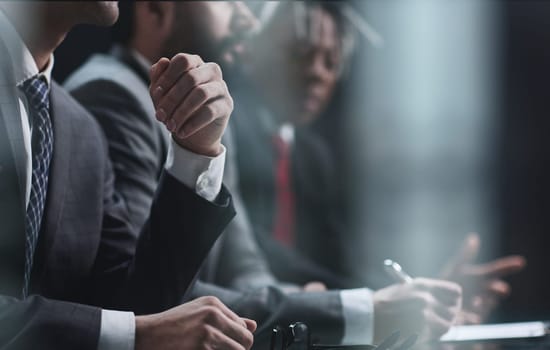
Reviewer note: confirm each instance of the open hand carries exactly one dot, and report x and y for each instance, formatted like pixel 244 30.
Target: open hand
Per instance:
pixel 482 284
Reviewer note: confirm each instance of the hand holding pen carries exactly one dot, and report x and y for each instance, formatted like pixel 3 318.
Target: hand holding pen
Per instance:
pixel 423 306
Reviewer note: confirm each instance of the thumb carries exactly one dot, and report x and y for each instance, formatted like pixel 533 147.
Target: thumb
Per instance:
pixel 466 254
pixel 250 324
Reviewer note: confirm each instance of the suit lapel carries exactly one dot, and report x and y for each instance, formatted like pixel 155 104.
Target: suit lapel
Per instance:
pixel 10 117
pixel 12 182
pixel 59 175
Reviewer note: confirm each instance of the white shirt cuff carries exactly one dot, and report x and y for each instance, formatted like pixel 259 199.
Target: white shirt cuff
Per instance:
pixel 202 173
pixel 118 330
pixel 358 311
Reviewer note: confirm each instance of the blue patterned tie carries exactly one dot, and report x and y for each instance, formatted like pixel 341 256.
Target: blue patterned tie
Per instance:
pixel 37 92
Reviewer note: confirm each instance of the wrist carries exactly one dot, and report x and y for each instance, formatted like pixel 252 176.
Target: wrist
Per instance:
pixel 144 326
pixel 212 150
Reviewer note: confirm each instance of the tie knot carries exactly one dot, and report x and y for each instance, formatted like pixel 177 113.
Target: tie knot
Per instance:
pixel 37 91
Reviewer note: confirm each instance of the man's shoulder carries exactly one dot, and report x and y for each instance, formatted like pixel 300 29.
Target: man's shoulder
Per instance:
pixel 66 108
pixel 103 78
pixel 102 67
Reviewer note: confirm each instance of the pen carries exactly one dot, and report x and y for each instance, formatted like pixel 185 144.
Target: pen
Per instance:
pixel 396 272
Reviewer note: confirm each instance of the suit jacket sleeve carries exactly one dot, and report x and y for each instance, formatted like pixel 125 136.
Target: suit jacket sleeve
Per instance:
pixel 181 227
pixel 137 145
pixel 40 323
pixel 271 306
pixel 240 264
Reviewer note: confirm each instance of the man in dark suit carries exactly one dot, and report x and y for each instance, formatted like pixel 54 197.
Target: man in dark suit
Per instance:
pixel 68 254
pixel 113 88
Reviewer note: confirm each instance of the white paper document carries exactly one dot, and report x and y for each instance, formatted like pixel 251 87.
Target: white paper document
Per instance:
pixel 495 331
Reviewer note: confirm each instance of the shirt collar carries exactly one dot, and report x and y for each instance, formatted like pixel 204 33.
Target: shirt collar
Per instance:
pixel 285 131
pixel 24 66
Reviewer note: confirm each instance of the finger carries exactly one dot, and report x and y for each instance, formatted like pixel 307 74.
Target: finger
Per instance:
pixel 217 339
pixel 468 318
pixel 158 68
pixel 179 64
pixel 234 330
pixel 445 312
pixel 466 254
pixel 196 99
pixel 482 305
pixel 498 288
pixel 217 304
pixel 435 325
pixel 497 268
pixel 446 292
pixel 185 84
pixel 250 324
pixel 205 116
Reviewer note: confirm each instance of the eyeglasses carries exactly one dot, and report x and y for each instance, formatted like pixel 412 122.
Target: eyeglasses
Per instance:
pixel 298 337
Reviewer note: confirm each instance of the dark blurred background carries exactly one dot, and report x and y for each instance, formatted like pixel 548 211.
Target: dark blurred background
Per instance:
pixel 483 146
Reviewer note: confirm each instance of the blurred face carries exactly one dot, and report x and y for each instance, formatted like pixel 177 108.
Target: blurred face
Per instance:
pixel 103 13
pixel 212 29
pixel 300 74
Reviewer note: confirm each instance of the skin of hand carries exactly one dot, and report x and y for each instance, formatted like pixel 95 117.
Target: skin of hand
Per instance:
pixel 204 323
pixel 426 307
pixel 192 100
pixel 314 286
pixel 482 284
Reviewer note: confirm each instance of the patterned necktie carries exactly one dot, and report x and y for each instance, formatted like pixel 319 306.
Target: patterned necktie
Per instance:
pixel 37 92
pixel 283 230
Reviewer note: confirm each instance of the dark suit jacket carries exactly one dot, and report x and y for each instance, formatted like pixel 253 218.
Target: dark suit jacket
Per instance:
pixel 112 87
pixel 88 255
pixel 319 234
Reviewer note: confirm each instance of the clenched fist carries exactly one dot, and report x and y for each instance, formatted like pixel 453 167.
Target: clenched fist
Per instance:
pixel 192 100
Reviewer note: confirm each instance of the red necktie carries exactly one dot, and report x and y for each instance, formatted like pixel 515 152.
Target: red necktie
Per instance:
pixel 283 228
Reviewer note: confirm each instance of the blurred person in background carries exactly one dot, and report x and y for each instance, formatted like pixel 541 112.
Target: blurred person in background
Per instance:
pixel 114 88
pixel 70 259
pixel 287 173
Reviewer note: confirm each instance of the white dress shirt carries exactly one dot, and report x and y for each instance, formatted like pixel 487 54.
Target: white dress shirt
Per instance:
pixel 203 174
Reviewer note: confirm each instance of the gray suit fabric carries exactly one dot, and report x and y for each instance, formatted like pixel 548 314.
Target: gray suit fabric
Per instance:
pixel 114 91
pixel 88 255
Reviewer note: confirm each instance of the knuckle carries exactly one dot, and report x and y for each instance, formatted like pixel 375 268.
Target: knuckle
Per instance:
pixel 201 93
pixel 192 79
pixel 230 103
pixel 216 69
pixel 210 111
pixel 248 340
pixel 210 315
pixel 179 58
pixel 211 300
pixel 207 336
